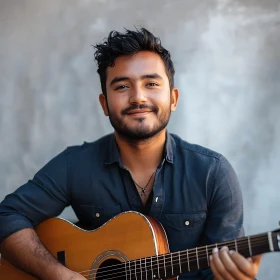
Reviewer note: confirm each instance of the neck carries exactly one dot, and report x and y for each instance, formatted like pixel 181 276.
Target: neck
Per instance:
pixel 146 154
pixel 169 265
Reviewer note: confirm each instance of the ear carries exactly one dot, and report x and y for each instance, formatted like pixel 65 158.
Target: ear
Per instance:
pixel 174 99
pixel 103 103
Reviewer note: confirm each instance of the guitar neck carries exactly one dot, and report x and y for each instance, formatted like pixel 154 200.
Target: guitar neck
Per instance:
pixel 173 264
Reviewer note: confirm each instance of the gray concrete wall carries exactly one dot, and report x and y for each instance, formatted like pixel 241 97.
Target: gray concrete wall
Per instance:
pixel 227 59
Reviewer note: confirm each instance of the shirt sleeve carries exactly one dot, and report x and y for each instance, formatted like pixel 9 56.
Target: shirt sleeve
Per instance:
pixel 43 197
pixel 225 206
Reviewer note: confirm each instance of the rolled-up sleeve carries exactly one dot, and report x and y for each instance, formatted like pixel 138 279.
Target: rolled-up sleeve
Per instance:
pixel 45 196
pixel 225 205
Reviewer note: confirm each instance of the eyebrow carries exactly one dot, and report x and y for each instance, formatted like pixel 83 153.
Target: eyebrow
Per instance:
pixel 148 76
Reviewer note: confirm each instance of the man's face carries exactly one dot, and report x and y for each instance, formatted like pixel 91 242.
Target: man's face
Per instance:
pixel 138 100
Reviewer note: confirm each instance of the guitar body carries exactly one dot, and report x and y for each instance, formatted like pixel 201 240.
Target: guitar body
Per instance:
pixel 128 236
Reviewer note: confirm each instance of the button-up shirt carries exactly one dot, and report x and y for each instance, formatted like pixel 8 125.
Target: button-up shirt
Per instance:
pixel 196 194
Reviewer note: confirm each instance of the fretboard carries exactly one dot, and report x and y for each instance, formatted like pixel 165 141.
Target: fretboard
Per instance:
pixel 173 264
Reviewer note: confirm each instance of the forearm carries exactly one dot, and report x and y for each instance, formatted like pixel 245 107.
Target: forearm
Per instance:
pixel 24 250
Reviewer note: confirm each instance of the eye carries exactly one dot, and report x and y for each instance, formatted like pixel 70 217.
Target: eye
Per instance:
pixel 152 84
pixel 121 87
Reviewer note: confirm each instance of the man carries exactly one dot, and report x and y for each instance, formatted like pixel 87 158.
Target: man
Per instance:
pixel 191 190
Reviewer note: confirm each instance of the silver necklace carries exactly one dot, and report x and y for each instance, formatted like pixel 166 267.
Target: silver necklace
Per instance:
pixel 143 189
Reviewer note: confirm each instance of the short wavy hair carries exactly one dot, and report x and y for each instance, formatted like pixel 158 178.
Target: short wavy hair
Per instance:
pixel 129 43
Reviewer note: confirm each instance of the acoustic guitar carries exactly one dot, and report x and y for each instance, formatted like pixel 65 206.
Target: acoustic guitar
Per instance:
pixel 130 246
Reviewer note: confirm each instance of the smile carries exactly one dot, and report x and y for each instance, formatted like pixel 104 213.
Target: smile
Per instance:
pixel 138 113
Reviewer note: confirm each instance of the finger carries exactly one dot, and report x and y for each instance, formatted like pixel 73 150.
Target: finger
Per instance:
pixel 230 267
pixel 219 265
pixel 214 270
pixel 247 267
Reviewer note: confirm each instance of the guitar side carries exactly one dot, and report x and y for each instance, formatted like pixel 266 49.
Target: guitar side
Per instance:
pixel 127 236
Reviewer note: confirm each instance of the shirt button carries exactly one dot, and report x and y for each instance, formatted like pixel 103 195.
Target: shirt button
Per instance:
pixel 187 223
pixel 97 215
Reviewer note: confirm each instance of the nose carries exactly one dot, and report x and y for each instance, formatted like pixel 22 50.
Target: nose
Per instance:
pixel 138 96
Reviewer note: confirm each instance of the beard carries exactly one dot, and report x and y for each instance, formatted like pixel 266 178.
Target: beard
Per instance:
pixel 143 130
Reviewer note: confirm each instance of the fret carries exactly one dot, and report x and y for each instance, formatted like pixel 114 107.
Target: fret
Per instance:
pixel 152 267
pixel 146 269
pixel 158 268
pixel 197 258
pixel 207 255
pixel 171 264
pixel 188 260
pixel 140 270
pixel 179 264
pixel 129 270
pixel 249 243
pixel 236 248
pixel 125 270
pixel 164 265
pixel 135 270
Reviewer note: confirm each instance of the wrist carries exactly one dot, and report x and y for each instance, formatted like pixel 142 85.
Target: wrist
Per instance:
pixel 59 273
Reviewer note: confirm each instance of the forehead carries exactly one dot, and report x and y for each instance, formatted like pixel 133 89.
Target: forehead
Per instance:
pixel 137 65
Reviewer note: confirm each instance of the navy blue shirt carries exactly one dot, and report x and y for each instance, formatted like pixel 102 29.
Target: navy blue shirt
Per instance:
pixel 196 194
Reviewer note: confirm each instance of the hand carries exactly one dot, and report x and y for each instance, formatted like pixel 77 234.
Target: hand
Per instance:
pixel 230 265
pixel 76 276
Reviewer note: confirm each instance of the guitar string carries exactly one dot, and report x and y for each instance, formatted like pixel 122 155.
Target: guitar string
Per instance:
pixel 182 253
pixel 209 247
pixel 125 273
pixel 131 272
pixel 213 245
pixel 138 269
pixel 134 271
pixel 190 258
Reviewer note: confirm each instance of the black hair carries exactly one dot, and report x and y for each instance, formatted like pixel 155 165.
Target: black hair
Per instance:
pixel 129 43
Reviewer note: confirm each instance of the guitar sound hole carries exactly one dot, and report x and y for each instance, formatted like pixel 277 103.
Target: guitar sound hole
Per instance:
pixel 111 269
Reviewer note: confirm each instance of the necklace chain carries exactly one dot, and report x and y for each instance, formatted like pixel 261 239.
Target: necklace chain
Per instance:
pixel 143 189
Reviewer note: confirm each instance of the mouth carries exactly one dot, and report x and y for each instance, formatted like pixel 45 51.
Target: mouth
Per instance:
pixel 138 113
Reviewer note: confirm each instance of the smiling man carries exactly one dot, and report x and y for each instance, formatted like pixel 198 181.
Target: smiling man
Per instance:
pixel 191 190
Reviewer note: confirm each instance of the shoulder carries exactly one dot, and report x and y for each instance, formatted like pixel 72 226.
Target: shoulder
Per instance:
pixel 97 144
pixel 80 154
pixel 97 147
pixel 187 148
pixel 199 157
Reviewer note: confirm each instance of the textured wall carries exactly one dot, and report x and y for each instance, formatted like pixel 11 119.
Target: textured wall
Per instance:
pixel 227 59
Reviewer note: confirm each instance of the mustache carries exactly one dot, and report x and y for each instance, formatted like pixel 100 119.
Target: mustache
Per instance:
pixel 141 106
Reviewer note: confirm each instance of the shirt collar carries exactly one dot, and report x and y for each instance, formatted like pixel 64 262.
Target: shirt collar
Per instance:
pixel 113 153
pixel 169 148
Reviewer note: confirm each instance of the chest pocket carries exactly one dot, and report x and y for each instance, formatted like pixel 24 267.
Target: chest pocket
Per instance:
pixel 94 216
pixel 183 230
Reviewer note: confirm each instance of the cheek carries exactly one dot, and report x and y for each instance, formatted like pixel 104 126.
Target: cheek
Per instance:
pixel 116 104
pixel 162 100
